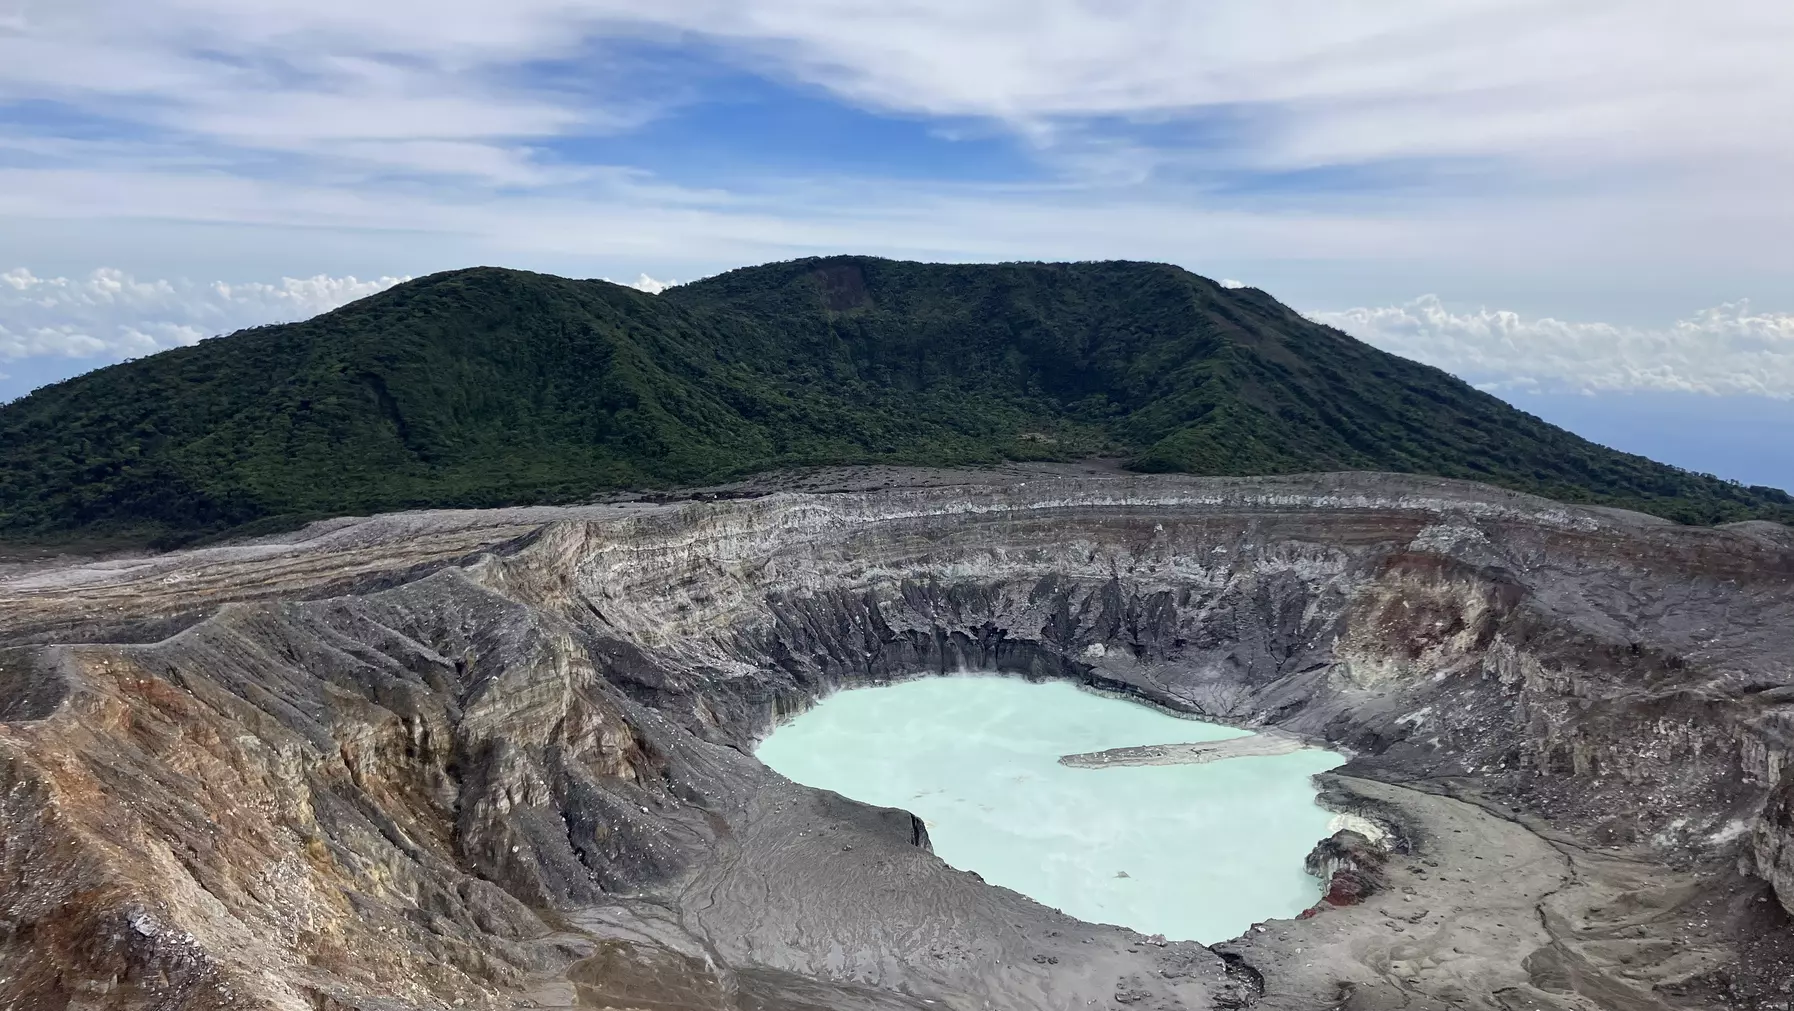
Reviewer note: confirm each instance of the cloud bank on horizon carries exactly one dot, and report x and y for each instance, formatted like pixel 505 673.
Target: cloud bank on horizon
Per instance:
pixel 111 315
pixel 1725 350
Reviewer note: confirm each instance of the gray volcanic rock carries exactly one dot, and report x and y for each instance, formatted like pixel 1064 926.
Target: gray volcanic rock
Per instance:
pixel 504 758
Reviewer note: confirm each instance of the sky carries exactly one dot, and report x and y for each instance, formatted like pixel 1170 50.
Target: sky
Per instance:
pixel 1582 208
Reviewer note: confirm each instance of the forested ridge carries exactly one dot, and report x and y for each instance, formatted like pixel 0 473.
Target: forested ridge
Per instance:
pixel 486 387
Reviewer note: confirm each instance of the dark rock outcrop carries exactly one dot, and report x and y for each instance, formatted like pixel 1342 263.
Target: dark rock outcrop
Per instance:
pixel 1350 867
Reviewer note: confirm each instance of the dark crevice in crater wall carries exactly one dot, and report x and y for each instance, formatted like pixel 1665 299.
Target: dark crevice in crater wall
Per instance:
pixel 426 783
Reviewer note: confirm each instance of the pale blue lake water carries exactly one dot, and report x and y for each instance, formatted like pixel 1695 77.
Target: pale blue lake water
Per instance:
pixel 1194 852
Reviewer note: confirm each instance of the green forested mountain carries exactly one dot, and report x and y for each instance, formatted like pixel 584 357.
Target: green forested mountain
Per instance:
pixel 484 387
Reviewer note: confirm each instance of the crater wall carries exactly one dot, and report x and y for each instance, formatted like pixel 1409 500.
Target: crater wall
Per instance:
pixel 505 757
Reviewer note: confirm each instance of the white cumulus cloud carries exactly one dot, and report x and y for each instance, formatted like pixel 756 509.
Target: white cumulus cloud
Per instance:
pixel 651 285
pixel 1727 349
pixel 111 314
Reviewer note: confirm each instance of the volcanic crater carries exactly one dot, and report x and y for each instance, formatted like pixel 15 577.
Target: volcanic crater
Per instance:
pixel 503 758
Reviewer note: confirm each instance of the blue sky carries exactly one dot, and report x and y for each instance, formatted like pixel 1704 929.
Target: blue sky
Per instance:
pixel 1582 207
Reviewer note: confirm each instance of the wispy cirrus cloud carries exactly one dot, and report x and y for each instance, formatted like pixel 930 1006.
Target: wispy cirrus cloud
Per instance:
pixel 1230 104
pixel 1290 84
pixel 1728 349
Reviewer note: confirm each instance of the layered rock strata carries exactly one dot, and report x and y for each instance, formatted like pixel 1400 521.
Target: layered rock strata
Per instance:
pixel 500 759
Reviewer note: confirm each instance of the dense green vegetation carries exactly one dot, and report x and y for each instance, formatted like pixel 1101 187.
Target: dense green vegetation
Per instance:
pixel 484 387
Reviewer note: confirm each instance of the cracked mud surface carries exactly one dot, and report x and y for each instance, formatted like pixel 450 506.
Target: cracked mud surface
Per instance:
pixel 503 758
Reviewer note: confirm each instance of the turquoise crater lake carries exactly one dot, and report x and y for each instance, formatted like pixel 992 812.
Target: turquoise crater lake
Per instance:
pixel 1194 852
